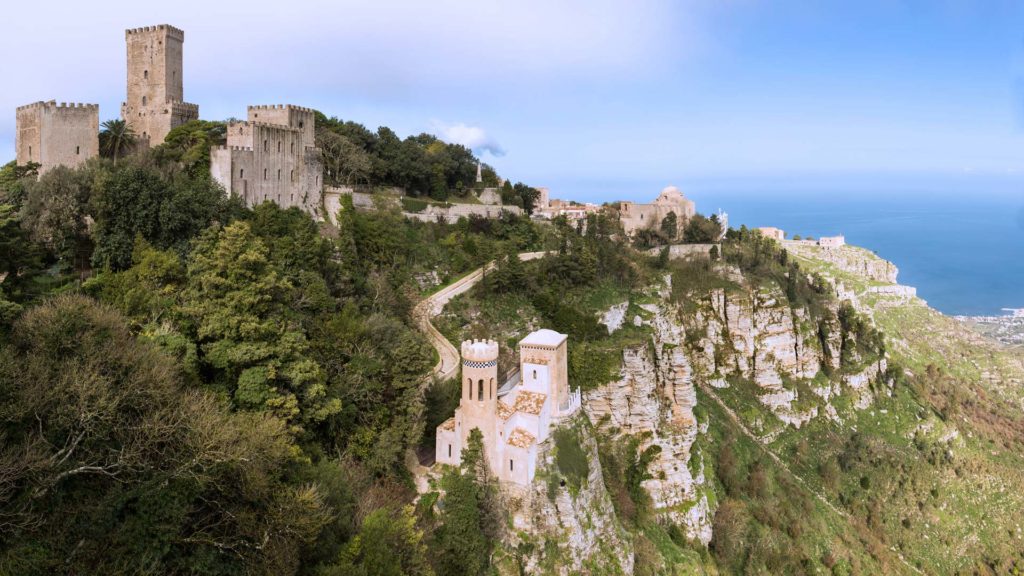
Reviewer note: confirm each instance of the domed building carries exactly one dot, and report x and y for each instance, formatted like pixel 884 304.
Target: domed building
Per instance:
pixel 636 217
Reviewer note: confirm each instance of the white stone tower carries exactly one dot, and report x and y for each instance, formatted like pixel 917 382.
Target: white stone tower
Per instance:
pixel 479 403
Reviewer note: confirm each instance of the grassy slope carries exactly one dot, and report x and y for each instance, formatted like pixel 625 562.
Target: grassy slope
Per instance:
pixel 961 511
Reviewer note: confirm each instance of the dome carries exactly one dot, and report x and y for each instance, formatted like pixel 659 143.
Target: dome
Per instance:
pixel 670 195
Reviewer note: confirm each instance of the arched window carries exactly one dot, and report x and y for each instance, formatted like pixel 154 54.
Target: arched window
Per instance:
pixel 264 176
pixel 534 374
pixel 449 450
pixel 265 148
pixel 491 388
pixel 145 74
pixel 480 389
pixel 241 173
pixel 278 174
pixel 511 465
pixel 292 176
pixel 143 100
pixel 78 149
pixel 469 384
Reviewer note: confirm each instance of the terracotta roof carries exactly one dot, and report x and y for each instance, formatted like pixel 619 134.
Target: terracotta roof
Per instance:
pixel 530 402
pixel 504 410
pixel 521 438
pixel 448 424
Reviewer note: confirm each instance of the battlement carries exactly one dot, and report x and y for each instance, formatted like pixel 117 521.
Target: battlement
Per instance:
pixel 479 350
pixel 53 104
pixel 263 125
pixel 239 148
pixel 280 107
pixel 171 31
pixel 185 106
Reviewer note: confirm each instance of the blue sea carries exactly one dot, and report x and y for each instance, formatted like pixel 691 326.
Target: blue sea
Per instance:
pixel 959 241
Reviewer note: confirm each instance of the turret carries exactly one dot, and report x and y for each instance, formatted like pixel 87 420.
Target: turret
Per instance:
pixel 479 403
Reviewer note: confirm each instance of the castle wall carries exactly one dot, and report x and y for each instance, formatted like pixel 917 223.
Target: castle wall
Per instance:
pixel 286 115
pixel 57 134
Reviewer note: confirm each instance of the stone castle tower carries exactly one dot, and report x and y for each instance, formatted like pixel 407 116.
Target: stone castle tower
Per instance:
pixel 272 156
pixel 479 400
pixel 52 134
pixel 156 100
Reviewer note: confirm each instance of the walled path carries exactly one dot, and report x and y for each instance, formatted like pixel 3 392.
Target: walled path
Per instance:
pixel 448 356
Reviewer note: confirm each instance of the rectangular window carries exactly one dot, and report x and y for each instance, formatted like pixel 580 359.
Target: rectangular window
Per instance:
pixel 264 173
pixel 511 465
pixel 78 149
pixel 449 450
pixel 278 174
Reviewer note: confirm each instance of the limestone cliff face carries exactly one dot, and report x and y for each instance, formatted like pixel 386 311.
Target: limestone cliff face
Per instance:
pixel 750 333
pixel 852 259
pixel 561 532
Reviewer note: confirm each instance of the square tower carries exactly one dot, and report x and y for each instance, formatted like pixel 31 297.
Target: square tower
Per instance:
pixel 51 134
pixel 544 362
pixel 155 99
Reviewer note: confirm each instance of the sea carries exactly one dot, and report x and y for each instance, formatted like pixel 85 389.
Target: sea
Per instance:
pixel 958 240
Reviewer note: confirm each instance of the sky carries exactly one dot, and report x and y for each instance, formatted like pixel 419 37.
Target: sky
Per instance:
pixel 595 99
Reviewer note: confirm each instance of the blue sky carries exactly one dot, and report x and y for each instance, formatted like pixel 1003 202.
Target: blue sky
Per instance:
pixel 595 99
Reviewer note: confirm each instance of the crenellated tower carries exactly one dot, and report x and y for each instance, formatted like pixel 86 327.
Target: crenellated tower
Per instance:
pixel 479 403
pixel 156 98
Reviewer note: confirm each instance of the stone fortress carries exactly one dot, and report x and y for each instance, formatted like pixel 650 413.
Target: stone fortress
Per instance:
pixel 515 417
pixel 635 217
pixel 272 156
pixel 156 98
pixel 51 134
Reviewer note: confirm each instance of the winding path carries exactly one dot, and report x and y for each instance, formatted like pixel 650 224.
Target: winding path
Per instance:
pixel 448 355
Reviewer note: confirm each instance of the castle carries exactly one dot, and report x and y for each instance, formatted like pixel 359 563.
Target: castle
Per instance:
pixel 156 95
pixel 272 156
pixel 635 217
pixel 515 418
pixel 51 134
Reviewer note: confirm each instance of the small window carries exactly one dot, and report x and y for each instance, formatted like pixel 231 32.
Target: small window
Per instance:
pixel 143 100
pixel 449 450
pixel 293 147
pixel 264 176
pixel 145 74
pixel 265 148
pixel 480 390
pixel 511 465
pixel 241 173
pixel 300 123
pixel 279 146
pixel 239 129
pixel 470 388
pixel 29 152
pixel 78 149
pixel 534 374
pixel 291 176
pixel 278 174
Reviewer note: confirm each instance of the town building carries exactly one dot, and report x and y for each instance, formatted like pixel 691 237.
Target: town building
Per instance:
pixel 772 232
pixel 51 134
pixel 272 156
pixel 156 99
pixel 635 217
pixel 832 241
pixel 515 418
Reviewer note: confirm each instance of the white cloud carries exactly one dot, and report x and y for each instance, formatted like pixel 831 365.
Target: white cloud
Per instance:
pixel 472 137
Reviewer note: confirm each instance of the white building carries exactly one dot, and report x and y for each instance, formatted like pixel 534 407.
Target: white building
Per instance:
pixel 515 419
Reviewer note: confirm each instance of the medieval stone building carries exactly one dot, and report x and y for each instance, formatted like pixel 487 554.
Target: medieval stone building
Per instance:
pixel 272 156
pixel 52 134
pixel 156 98
pixel 636 217
pixel 516 417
